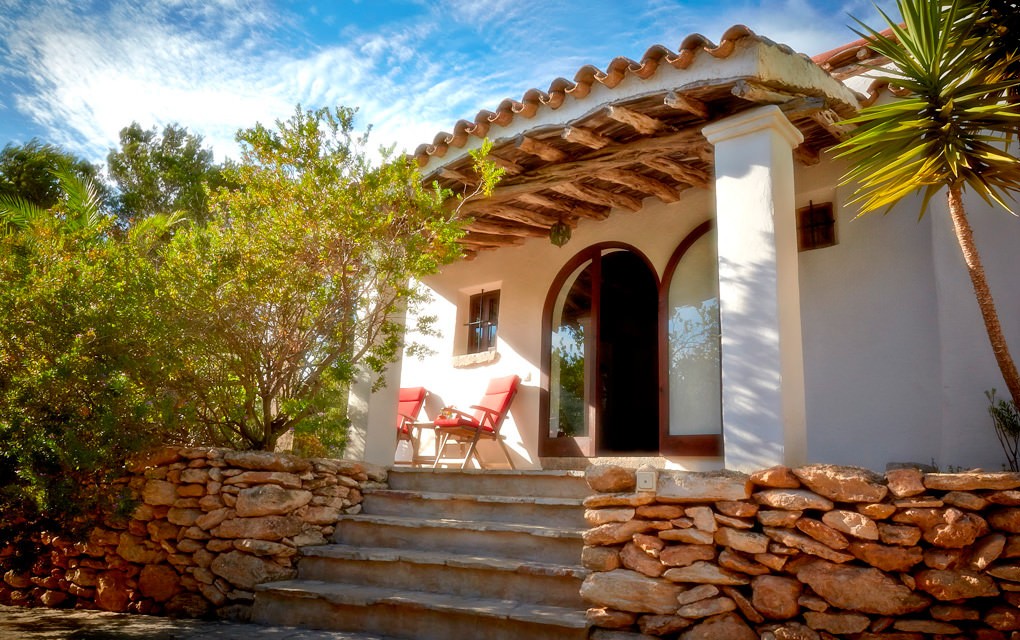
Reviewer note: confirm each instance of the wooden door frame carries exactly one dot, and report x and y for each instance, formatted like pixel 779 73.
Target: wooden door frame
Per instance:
pixel 578 446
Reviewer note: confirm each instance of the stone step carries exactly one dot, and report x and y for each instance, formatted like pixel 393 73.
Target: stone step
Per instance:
pixel 559 512
pixel 451 573
pixel 411 615
pixel 535 543
pixel 492 482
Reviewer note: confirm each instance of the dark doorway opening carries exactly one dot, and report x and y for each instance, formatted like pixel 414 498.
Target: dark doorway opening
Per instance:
pixel 628 362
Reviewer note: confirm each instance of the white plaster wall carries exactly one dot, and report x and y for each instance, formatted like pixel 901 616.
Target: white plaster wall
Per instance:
pixel 896 357
pixel 968 366
pixel 871 340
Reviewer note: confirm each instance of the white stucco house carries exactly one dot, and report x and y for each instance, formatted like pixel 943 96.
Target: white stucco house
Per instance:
pixel 717 303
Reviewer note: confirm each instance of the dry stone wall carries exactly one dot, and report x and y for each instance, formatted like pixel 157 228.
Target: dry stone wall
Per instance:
pixel 810 553
pixel 209 524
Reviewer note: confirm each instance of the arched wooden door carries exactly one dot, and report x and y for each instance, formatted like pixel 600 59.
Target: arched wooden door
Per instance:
pixel 601 356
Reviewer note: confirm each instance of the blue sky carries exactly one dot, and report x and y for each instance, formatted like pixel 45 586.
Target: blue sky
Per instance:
pixel 74 72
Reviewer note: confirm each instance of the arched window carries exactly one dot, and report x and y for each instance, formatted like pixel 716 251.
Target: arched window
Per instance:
pixel 691 410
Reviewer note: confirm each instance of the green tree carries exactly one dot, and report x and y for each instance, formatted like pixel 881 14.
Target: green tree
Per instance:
pixel 299 277
pixel 27 172
pixel 163 173
pixel 76 367
pixel 950 130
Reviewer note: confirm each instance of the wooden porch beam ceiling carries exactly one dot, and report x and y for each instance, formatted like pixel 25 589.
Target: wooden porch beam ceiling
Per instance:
pixel 829 120
pixel 679 171
pixel 507 228
pixel 458 176
pixel 509 167
pixel 538 148
pixel 515 214
pixel 641 183
pixel 491 240
pixel 585 137
pixel 754 92
pixel 570 207
pixel 689 104
pixel 638 121
pixel 596 195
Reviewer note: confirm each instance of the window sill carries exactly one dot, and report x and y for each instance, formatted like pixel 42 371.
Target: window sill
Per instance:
pixel 474 359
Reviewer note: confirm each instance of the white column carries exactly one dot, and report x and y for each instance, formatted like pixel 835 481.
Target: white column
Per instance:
pixel 372 435
pixel 759 292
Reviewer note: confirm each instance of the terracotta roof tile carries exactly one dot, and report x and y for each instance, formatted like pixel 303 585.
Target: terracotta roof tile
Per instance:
pixel 585 78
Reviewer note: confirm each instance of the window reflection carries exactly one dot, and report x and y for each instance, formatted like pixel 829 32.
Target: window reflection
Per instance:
pixel 695 400
pixel 572 355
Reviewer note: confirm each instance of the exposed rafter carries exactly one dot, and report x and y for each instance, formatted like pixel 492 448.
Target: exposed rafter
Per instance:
pixel 538 148
pixel 691 105
pixel 458 176
pixel 508 212
pixel 565 206
pixel 507 228
pixel 639 182
pixel 638 121
pixel 509 168
pixel 585 137
pixel 680 172
pixel 596 195
pixel 491 240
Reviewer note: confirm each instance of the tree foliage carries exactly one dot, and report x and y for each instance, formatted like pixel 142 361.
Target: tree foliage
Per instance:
pixel 950 130
pixel 28 172
pixel 163 173
pixel 299 277
pixel 76 368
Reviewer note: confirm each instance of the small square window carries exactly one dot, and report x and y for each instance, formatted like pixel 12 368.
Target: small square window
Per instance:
pixel 816 226
pixel 482 320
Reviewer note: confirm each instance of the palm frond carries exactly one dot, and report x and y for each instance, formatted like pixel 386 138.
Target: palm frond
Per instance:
pixel 955 123
pixel 17 214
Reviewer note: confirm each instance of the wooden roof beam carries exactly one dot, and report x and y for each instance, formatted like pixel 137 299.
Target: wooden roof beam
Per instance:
pixel 490 240
pixel 806 155
pixel 458 176
pixel 641 183
pixel 679 171
pixel 691 105
pixel 754 92
pixel 615 156
pixel 544 151
pixel 515 214
pixel 508 166
pixel 596 195
pixel 562 206
pixel 506 228
pixel 638 121
pixel 829 120
pixel 585 137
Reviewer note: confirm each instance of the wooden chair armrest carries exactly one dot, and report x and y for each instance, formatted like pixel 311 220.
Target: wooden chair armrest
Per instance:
pixel 485 409
pixel 456 411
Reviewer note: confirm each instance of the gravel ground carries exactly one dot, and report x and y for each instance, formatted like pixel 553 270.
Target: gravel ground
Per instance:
pixel 17 623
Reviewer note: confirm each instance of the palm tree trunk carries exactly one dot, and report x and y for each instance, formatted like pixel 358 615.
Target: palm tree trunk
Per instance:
pixel 965 236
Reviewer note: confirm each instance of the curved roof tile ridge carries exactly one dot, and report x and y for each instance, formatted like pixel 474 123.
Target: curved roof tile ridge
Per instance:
pixel 584 79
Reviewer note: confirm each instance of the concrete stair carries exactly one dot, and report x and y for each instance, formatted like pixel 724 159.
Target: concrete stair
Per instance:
pixel 440 554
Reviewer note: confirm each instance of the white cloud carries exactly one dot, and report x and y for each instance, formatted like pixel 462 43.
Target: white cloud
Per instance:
pixel 88 68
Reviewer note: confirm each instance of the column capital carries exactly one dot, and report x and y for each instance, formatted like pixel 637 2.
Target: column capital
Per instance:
pixel 753 120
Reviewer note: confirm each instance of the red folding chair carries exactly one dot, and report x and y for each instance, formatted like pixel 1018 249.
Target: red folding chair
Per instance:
pixel 462 427
pixel 412 399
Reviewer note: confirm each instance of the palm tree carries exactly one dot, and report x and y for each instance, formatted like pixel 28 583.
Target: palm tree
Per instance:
pixel 951 130
pixel 79 206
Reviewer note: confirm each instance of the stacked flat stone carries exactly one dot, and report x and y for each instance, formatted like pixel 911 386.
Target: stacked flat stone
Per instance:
pixel 810 553
pixel 209 524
